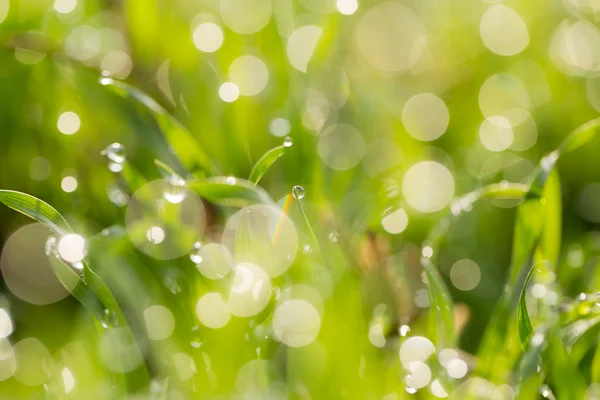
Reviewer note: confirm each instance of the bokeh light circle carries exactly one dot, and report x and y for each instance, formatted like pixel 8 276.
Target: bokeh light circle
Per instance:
pixel 246 16
pixel 34 362
pixel 250 290
pixel 208 37
pixel 390 37
pixel 496 133
pixel 215 261
pixel 341 147
pixel 250 74
pixel 27 270
pixel 503 31
pixel 296 323
pixel 425 117
pixel 502 93
pixel 465 274
pixel 428 186
pixel 262 235
pixel 212 311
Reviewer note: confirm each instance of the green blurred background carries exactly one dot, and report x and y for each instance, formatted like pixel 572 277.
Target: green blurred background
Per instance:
pixel 361 69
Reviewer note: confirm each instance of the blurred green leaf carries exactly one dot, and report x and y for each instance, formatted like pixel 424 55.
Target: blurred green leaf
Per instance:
pixel 265 162
pixel 566 379
pixel 230 192
pixel 180 140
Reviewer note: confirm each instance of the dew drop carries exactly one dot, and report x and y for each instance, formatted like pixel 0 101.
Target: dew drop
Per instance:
pixel 117 196
pixel 334 236
pixel 109 319
pixel 230 180
pixel 175 190
pixel 404 330
pixel 115 167
pixel 115 153
pixel 51 246
pixel 105 79
pixel 307 249
pixel 298 192
pixel 288 142
pixel 195 255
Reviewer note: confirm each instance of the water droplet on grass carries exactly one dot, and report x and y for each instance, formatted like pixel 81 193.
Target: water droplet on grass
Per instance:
pixel 195 255
pixel 334 236
pixel 51 246
pixel 105 79
pixel 175 190
pixel 230 180
pixel 115 153
pixel 404 330
pixel 288 142
pixel 298 192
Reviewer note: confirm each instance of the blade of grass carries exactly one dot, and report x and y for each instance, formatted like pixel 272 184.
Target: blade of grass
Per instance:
pixel 265 162
pixel 164 170
pixel 36 209
pixel 525 328
pixel 230 192
pixel 181 141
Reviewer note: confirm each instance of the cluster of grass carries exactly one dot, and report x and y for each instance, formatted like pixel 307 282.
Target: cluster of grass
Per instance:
pixel 359 311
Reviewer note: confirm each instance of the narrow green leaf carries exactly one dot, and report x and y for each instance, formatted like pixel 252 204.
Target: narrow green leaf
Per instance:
pixel 230 192
pixel 265 162
pixel 180 140
pixel 580 336
pixel 164 170
pixel 132 177
pixel 566 379
pixel 529 379
pixel 581 136
pixel 524 322
pixel 36 209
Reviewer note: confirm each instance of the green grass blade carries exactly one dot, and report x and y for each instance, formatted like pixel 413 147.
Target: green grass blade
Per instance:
pixel 164 170
pixel 230 192
pixel 525 328
pixel 567 381
pixel 181 141
pixel 529 379
pixel 265 162
pixel 36 209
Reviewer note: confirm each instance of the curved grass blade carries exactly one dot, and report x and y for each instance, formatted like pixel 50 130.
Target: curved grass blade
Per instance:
pixel 36 209
pixel 180 140
pixel 265 162
pixel 132 177
pixel 45 214
pixel 566 379
pixel 525 328
pixel 580 336
pixel 164 170
pixel 230 192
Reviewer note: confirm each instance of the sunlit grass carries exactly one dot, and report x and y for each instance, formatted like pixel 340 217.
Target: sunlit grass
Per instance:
pixel 299 199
